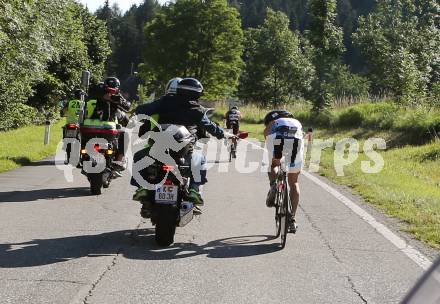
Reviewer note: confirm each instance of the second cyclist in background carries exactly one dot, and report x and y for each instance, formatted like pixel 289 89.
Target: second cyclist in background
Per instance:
pixel 233 117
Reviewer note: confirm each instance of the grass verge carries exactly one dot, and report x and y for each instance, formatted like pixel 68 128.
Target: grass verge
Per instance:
pixel 22 146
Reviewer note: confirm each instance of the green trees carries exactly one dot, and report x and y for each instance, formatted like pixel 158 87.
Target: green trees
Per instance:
pixel 198 39
pixel 333 78
pixel 277 70
pixel 40 64
pixel 401 40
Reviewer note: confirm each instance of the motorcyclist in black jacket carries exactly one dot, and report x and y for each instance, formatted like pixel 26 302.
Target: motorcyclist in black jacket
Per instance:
pixel 112 106
pixel 181 108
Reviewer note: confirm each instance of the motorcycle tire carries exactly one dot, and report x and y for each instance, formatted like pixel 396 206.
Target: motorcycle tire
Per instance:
pixel 166 222
pixel 96 184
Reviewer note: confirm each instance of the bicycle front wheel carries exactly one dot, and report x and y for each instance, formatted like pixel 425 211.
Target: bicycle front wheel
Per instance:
pixel 278 204
pixel 284 213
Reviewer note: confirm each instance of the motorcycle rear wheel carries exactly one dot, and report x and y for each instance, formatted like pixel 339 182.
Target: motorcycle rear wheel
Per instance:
pixel 166 221
pixel 96 184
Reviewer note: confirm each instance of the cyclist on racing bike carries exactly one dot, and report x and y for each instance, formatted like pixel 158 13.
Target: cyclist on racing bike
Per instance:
pixel 284 137
pixel 233 117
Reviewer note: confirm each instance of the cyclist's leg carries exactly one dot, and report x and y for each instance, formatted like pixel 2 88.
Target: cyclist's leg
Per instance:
pixel 275 166
pixel 235 131
pixel 276 160
pixel 292 179
pixel 295 167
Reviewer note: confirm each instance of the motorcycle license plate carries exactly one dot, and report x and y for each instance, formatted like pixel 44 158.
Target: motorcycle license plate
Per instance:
pixel 71 133
pixel 166 194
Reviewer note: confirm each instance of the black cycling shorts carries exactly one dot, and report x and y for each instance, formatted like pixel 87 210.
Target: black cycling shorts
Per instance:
pixel 235 126
pixel 278 148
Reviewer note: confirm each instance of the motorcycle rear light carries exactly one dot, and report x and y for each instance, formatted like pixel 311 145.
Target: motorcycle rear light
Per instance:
pixel 167 168
pixel 109 152
pixel 72 126
pixel 168 182
pixel 83 151
pixel 97 148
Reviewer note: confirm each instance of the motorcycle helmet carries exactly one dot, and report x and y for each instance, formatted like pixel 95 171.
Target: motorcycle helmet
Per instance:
pixel 112 82
pixel 190 88
pixel 171 88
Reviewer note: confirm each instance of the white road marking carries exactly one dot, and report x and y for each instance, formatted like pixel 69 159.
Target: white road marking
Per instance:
pixel 401 244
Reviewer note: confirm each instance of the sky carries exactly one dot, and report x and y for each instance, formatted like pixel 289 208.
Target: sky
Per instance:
pixel 123 4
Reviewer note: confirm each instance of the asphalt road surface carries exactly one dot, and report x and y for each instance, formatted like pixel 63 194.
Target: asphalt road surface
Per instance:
pixel 58 244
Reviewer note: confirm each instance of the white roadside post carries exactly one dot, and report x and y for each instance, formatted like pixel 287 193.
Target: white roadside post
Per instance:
pixel 47 133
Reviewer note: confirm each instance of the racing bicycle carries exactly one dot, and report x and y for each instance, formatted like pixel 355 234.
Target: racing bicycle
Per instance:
pixel 283 206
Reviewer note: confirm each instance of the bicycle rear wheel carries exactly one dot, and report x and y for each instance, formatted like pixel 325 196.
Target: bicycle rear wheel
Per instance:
pixel 284 215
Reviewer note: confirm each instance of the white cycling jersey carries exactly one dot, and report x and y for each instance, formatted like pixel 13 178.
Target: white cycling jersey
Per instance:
pixel 288 128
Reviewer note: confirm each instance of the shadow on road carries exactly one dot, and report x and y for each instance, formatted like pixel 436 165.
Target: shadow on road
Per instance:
pixel 25 161
pixel 137 245
pixel 43 194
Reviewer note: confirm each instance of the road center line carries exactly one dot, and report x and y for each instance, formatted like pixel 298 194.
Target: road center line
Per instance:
pixel 401 244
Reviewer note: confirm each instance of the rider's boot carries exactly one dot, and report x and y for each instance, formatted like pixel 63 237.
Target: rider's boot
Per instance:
pixel 194 195
pixel 142 195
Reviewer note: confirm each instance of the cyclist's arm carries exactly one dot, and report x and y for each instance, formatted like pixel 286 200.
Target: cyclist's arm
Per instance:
pixel 267 129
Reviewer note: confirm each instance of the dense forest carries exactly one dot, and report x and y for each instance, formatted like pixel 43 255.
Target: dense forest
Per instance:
pixel 268 52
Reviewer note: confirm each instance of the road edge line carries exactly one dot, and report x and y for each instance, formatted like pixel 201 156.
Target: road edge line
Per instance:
pixel 415 255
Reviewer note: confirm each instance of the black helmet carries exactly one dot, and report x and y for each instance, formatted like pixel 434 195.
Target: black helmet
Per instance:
pixel 190 88
pixel 78 94
pixel 274 115
pixel 112 82
pixel 234 108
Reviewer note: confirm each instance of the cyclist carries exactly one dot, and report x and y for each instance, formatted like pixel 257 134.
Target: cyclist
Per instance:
pixel 233 117
pixel 284 137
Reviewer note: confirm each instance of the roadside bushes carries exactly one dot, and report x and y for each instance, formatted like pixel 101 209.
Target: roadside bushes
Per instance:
pixel 44 46
pixel 415 124
pixel 19 115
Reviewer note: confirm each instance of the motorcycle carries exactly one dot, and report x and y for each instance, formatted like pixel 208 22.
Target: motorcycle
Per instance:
pixel 98 148
pixel 168 205
pixel 167 171
pixel 170 208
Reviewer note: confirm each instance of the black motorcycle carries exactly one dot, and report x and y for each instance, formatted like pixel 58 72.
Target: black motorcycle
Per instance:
pixel 167 204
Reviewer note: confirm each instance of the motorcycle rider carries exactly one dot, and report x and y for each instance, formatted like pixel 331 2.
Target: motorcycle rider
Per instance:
pixel 179 107
pixel 112 106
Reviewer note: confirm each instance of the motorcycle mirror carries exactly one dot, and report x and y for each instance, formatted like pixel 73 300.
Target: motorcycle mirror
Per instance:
pixel 243 135
pixel 209 112
pixel 85 79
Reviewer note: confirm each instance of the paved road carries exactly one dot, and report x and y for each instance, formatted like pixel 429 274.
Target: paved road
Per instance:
pixel 60 245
